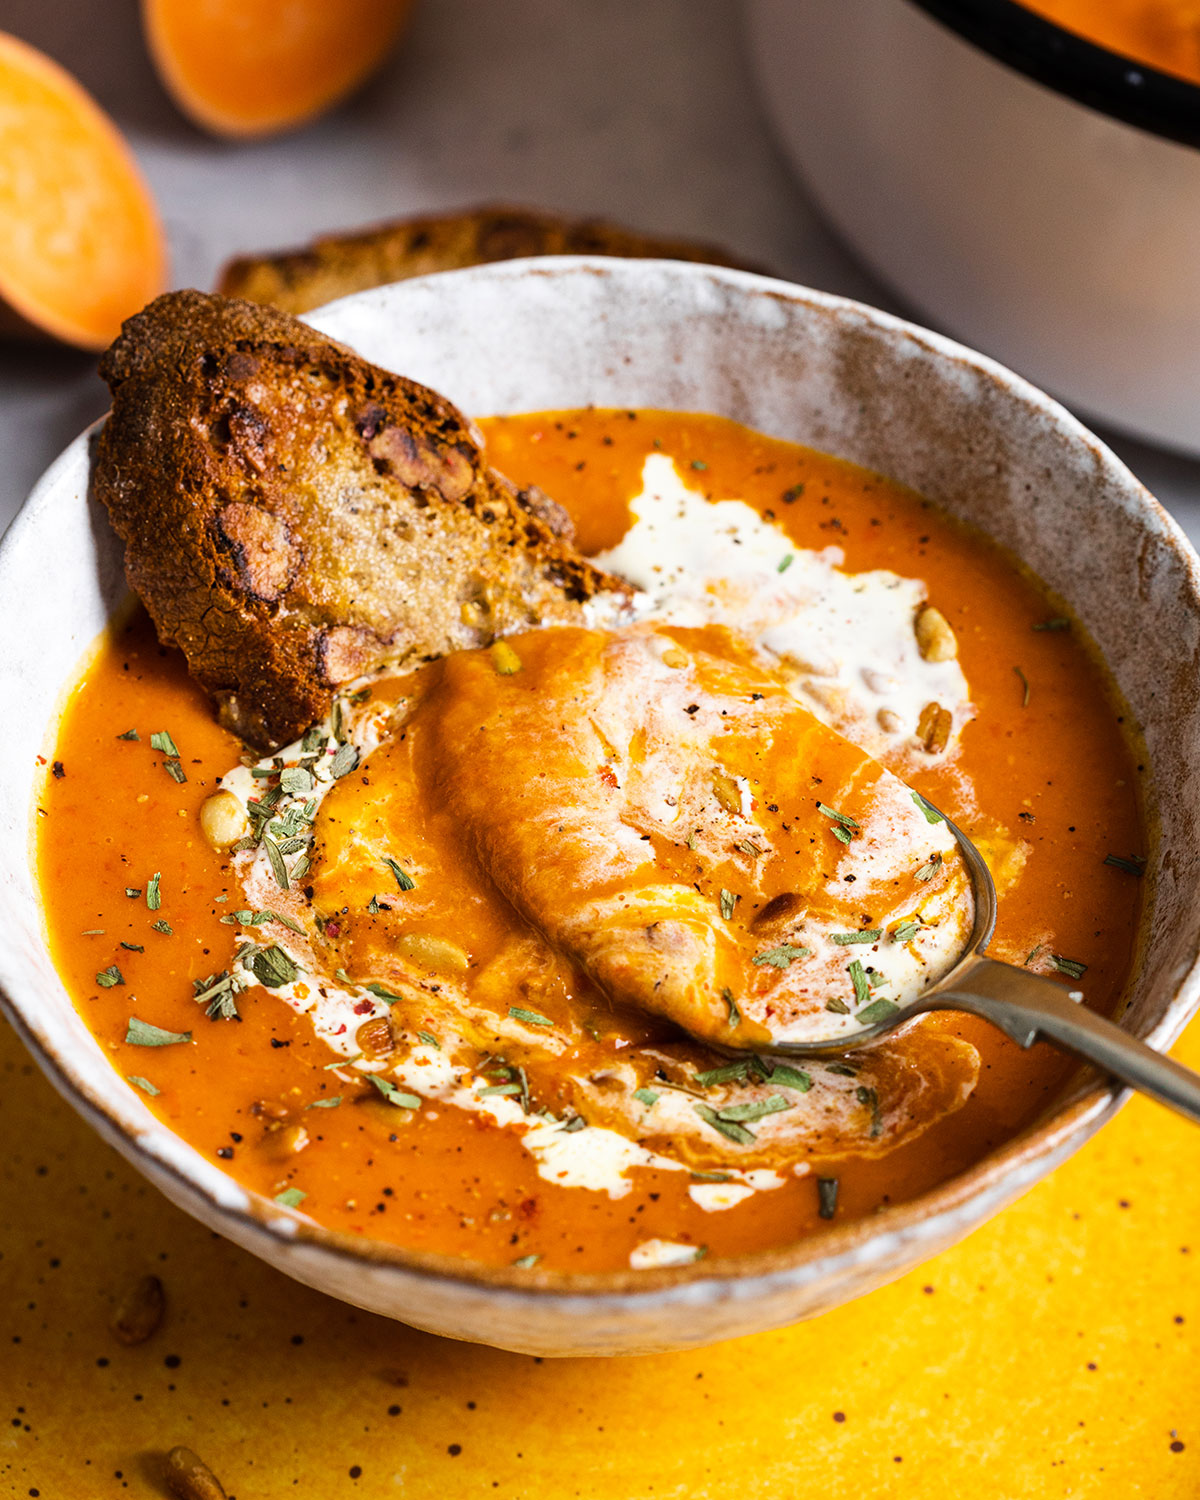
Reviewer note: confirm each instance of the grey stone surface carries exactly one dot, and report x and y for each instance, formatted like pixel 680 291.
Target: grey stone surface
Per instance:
pixel 641 110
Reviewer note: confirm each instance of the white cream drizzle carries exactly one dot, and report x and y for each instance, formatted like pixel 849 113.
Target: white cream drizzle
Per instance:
pixel 844 640
pixel 847 643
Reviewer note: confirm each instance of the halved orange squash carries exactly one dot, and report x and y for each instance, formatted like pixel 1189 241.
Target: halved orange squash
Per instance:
pixel 81 245
pixel 255 67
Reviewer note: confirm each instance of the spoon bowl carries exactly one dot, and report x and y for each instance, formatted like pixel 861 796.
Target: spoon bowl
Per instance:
pixel 1027 1007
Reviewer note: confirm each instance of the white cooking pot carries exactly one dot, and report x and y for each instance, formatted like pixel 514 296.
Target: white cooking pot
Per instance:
pixel 1034 194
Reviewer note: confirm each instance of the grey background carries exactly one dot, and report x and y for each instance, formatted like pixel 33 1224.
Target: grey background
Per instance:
pixel 639 110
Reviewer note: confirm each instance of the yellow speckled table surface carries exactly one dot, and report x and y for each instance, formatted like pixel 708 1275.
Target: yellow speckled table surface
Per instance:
pixel 1055 1353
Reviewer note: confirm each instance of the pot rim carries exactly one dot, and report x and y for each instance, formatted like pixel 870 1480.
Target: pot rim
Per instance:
pixel 933 1218
pixel 1121 87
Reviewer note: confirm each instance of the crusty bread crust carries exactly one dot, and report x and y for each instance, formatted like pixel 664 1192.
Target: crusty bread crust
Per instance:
pixel 294 517
pixel 335 265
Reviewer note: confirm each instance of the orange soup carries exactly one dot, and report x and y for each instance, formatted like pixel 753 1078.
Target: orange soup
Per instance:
pixel 383 999
pixel 1163 33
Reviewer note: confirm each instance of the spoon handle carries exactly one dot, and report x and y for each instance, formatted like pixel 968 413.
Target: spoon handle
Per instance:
pixel 1029 1008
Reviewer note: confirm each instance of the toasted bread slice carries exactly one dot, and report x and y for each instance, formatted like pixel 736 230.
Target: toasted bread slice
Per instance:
pixel 335 265
pixel 294 516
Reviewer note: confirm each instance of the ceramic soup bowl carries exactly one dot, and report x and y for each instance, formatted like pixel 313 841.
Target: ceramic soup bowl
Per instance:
pixel 531 335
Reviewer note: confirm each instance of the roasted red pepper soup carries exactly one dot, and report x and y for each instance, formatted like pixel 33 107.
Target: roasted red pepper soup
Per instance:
pixel 146 919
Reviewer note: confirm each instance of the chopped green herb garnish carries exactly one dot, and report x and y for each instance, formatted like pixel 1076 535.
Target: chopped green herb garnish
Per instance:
pixel 142 1034
pixel 728 900
pixel 161 740
pixel 748 846
pixel 710 1176
pixel 780 957
pixel 735 1014
pixel 130 734
pixel 133 947
pixel 931 813
pixel 843 835
pixel 930 869
pixel 382 993
pixel 344 761
pixel 786 562
pixel 403 879
pixel 273 968
pixel 870 935
pixel 429 1039
pixel 278 868
pixel 1071 966
pixel 499 1088
pixel 296 781
pixel 869 1099
pixel 698 463
pixel 174 769
pixel 791 1078
pixel 531 1017
pixel 843 1070
pixel 1060 622
pixel 1134 865
pixel 838 1007
pixel 906 930
pixel 772 1105
pixel 878 1010
pixel 648 1097
pixel 373 907
pixel 1024 685
pixel 313 739
pixel 161 926
pixel 838 817
pixel 730 1129
pixel 154 892
pixel 142 1083
pixel 725 1074
pixel 290 1198
pixel 525 1261
pixel 576 1122
pixel 217 994
pixel 393 1095
pixel 325 1103
pixel 691 841
pixel 827 1196
pixel 858 977
pixel 1032 954
pixel 110 976
pixel 133 891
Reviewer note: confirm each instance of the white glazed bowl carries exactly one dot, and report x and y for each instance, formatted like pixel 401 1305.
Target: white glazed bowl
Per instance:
pixel 528 335
pixel 1058 237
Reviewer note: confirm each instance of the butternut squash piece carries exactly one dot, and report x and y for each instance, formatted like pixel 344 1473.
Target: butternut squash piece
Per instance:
pixel 81 245
pixel 256 67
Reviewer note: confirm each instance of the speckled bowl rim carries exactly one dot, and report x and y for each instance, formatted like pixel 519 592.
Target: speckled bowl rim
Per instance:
pixel 932 1219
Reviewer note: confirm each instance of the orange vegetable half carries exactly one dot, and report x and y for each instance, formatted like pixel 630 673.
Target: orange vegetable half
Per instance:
pixel 254 67
pixel 81 246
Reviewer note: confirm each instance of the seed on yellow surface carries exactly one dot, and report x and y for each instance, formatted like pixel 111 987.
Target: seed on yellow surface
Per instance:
pixel 190 1477
pixel 675 657
pixel 140 1311
pixel 222 820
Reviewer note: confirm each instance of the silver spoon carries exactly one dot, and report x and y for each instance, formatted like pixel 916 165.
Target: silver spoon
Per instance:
pixel 1025 1007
